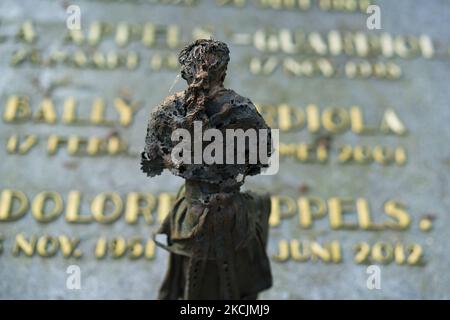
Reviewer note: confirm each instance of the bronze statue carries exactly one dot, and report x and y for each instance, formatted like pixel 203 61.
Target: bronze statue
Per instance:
pixel 216 235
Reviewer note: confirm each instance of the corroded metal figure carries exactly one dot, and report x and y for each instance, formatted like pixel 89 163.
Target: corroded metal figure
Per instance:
pixel 216 234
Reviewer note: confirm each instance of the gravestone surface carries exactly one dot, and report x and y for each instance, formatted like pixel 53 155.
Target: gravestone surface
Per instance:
pixel 360 205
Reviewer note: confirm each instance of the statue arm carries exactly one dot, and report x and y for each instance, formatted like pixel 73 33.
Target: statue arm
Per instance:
pixel 247 117
pixel 158 136
pixel 259 123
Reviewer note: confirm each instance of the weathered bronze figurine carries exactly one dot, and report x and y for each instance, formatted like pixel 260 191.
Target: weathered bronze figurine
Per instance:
pixel 216 235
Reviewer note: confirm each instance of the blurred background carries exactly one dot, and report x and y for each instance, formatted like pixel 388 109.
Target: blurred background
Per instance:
pixel 358 89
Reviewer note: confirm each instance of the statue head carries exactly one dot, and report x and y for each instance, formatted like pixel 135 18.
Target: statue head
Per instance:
pixel 204 60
